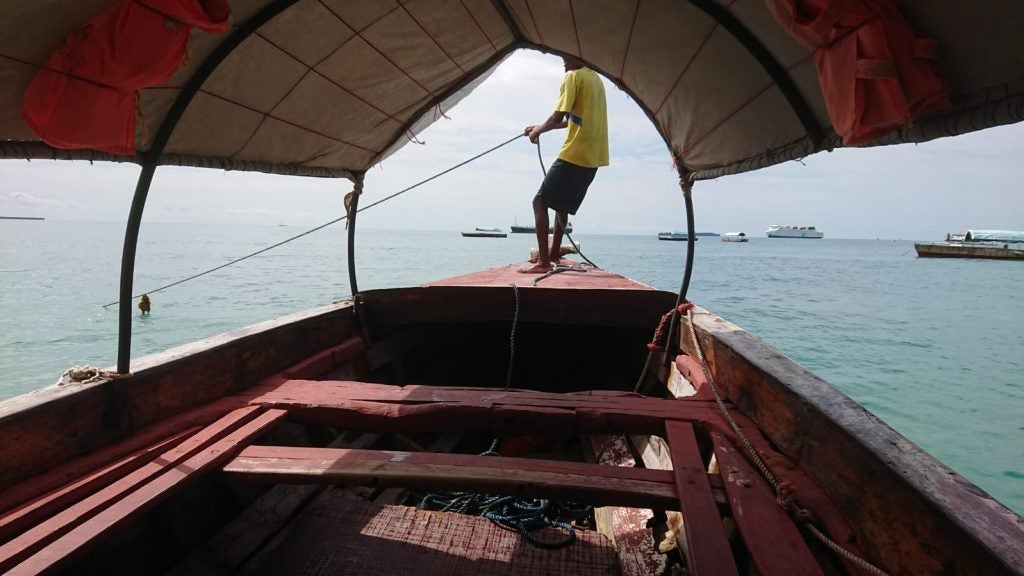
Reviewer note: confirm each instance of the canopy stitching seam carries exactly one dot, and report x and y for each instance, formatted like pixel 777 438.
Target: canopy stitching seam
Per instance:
pixel 431 37
pixel 629 41
pixel 478 26
pixel 375 49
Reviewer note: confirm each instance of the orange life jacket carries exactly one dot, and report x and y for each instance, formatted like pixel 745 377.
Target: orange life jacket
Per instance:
pixel 86 95
pixel 875 73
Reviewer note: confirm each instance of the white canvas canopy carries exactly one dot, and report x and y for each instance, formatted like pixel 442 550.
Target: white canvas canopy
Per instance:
pixel 994 236
pixel 331 87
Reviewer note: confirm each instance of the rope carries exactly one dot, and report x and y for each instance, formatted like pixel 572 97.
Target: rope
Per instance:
pixel 511 345
pixel 322 226
pixel 523 515
pixel 783 494
pixel 559 270
pixel 84 374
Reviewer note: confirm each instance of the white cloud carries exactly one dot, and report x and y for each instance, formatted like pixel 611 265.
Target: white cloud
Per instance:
pixel 30 200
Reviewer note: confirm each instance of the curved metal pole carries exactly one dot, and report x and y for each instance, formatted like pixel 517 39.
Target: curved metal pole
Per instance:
pixel 151 158
pixel 353 208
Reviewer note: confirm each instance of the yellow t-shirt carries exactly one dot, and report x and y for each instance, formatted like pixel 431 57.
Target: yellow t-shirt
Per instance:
pixel 582 96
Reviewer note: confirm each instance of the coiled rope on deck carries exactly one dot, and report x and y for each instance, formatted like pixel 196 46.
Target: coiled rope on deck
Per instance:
pixel 326 224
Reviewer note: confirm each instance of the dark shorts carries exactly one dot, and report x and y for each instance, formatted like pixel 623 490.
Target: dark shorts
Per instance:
pixel 565 186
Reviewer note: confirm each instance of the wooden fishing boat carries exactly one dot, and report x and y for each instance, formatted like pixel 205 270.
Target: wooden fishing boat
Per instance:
pixel 281 448
pixel 982 244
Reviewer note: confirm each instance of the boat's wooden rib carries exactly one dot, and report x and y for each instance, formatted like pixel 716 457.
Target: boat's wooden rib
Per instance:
pixel 243 537
pixel 707 545
pixel 429 471
pixel 56 541
pixel 36 510
pixel 780 551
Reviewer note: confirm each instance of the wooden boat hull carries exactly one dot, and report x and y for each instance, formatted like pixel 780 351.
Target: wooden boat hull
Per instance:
pixel 959 250
pixel 866 485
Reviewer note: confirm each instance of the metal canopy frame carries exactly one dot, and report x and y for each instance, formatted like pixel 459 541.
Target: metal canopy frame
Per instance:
pixel 151 158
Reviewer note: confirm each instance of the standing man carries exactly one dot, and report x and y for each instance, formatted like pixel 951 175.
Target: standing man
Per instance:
pixel 581 107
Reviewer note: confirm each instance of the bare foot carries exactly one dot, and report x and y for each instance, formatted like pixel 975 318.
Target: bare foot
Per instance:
pixel 537 268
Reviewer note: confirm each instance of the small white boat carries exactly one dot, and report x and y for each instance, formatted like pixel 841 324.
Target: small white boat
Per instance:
pixel 776 231
pixel 674 235
pixel 735 237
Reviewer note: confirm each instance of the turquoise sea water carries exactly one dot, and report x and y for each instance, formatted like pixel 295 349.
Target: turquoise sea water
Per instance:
pixel 933 347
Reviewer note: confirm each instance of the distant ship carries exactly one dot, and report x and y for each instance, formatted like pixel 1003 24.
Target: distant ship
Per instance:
pixel 674 235
pixel 485 233
pixel 735 237
pixel 533 229
pixel 22 218
pixel 776 231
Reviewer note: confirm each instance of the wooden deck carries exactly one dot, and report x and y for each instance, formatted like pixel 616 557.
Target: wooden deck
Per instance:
pixel 343 535
pixel 571 279
pixel 72 518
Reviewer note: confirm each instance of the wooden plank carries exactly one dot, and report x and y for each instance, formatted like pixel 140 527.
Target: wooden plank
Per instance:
pixel 246 534
pixel 75 468
pixel 425 408
pixel 626 528
pixel 33 511
pixel 774 542
pixel 709 552
pixel 515 476
pixel 61 551
pixel 33 539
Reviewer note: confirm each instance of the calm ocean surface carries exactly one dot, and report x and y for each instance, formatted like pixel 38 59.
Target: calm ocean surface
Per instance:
pixel 933 347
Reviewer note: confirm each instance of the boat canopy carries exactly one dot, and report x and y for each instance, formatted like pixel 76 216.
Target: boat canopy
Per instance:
pixel 994 236
pixel 332 87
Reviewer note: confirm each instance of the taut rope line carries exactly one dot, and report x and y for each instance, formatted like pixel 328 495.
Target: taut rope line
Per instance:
pixel 335 221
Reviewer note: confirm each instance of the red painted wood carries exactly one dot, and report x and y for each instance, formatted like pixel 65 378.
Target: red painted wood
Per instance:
pixel 22 517
pixel 774 542
pixel 324 361
pixel 708 548
pixel 241 430
pixel 506 275
pixel 45 532
pixel 420 407
pixel 75 469
pixel 516 476
pixel 690 368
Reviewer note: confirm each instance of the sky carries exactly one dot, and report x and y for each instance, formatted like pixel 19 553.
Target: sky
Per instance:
pixel 914 192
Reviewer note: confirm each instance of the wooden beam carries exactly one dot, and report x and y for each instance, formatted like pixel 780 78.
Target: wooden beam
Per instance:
pixel 774 542
pixel 244 536
pixel 708 547
pixel 374 407
pixel 588 483
pixel 53 542
pixel 34 511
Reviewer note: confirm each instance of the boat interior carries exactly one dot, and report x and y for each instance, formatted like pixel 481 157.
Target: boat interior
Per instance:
pixel 339 441
pixel 595 425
